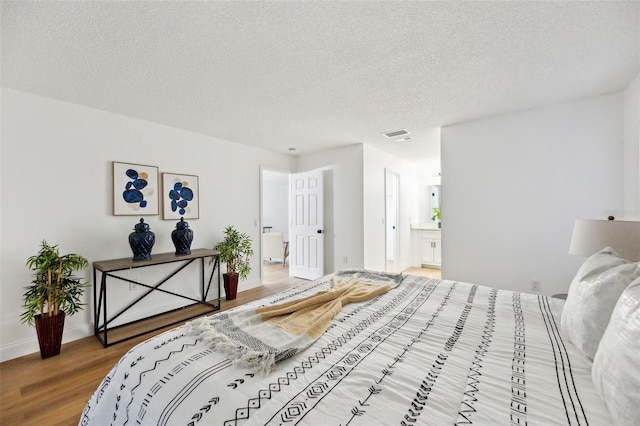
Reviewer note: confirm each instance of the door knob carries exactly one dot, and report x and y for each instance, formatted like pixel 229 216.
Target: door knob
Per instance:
pixel 320 231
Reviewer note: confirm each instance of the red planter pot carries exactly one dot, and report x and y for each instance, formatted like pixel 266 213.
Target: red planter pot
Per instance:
pixel 49 331
pixel 230 285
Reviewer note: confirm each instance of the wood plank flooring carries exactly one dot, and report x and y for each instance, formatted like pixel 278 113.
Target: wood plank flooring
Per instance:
pixel 425 272
pixel 54 391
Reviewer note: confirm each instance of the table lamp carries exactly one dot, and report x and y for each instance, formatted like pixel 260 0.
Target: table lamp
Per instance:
pixel 591 236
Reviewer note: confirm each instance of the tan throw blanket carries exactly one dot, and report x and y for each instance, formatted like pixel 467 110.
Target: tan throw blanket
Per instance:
pixel 259 338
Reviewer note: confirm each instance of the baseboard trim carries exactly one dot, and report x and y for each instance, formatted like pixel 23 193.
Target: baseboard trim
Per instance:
pixel 30 346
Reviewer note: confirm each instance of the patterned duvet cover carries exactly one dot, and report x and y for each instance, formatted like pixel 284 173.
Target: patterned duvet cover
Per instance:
pixel 430 352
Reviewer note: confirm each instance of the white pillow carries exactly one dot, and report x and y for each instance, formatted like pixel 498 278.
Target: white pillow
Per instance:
pixel 616 366
pixel 592 295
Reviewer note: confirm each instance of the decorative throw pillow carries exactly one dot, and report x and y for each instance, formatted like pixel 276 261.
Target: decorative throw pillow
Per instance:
pixel 592 296
pixel 616 370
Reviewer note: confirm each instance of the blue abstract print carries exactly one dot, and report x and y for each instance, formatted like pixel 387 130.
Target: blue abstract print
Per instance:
pixel 133 188
pixel 180 196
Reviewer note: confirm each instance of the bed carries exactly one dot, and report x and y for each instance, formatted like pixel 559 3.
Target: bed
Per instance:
pixel 428 351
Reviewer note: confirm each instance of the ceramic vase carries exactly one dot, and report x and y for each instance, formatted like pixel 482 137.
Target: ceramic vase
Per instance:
pixel 182 237
pixel 141 241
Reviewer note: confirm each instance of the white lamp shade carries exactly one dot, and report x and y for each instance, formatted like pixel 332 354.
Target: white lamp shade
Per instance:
pixel 591 236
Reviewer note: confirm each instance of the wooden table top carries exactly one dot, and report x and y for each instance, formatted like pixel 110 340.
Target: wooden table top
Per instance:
pixel 156 259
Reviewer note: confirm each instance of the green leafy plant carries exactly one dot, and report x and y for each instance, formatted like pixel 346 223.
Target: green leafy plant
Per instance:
pixel 54 288
pixel 436 214
pixel 236 251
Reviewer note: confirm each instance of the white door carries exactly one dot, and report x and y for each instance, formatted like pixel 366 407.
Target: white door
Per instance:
pixel 306 254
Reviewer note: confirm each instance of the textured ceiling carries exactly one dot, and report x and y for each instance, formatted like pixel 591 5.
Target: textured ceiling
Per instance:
pixel 315 74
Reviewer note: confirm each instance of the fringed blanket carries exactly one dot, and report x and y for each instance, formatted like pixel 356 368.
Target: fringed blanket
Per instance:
pixel 259 338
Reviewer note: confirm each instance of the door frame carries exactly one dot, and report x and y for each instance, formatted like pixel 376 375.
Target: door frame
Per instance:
pixel 260 224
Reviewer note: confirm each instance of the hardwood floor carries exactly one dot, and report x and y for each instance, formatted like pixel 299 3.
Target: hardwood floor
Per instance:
pixel 54 391
pixel 275 273
pixel 425 272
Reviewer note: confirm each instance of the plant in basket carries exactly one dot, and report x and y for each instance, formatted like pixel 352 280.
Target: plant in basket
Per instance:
pixel 53 294
pixel 236 251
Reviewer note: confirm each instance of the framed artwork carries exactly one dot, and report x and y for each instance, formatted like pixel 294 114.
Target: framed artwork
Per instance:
pixel 180 196
pixel 135 189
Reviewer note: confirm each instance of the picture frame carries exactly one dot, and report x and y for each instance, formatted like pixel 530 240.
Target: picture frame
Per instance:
pixel 135 189
pixel 180 196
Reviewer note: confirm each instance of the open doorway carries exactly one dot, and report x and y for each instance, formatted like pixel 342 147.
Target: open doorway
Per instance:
pixel 275 226
pixel 391 220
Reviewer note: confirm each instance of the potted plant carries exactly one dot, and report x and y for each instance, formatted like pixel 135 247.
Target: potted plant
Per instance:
pixel 235 250
pixel 53 293
pixel 436 215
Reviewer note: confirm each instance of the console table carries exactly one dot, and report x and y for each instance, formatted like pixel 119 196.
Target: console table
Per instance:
pixel 108 269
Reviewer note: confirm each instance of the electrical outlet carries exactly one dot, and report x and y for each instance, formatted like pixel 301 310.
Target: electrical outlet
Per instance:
pixel 536 285
pixel 137 276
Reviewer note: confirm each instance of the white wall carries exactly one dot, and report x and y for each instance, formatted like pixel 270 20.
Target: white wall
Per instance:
pixel 57 183
pixel 375 164
pixel 632 151
pixel 343 209
pixel 512 186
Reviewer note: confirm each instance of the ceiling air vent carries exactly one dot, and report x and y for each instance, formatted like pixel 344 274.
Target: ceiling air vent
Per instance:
pixel 396 133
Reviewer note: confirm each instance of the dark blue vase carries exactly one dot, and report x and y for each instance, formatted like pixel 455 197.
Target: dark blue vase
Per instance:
pixel 182 237
pixel 141 241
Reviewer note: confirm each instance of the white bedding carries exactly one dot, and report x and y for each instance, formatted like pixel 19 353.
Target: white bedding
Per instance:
pixel 427 352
